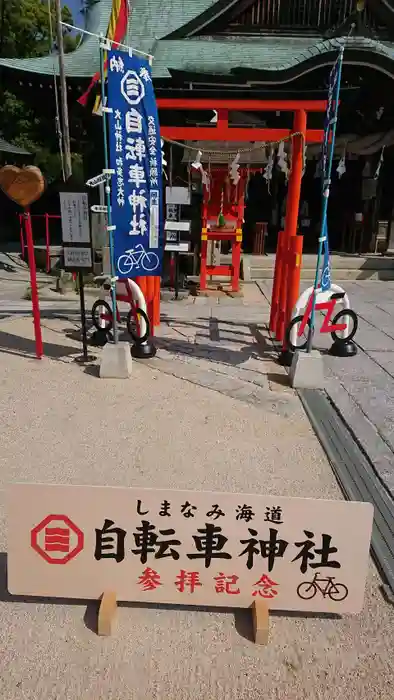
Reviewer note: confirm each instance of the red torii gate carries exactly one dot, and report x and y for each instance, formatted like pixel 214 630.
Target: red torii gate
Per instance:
pixel 285 294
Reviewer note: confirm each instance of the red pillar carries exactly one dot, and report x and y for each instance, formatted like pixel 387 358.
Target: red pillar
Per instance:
pixel 33 284
pixel 156 305
pixel 292 208
pixel 150 294
pixel 295 259
pixel 236 263
pixel 203 263
pixel 276 286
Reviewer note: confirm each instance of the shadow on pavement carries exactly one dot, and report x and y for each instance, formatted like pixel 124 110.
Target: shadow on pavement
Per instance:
pixel 23 347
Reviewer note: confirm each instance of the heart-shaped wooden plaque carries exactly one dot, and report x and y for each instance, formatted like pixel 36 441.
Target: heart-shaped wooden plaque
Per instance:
pixel 23 185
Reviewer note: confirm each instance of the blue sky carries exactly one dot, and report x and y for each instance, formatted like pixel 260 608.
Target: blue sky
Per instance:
pixel 75 6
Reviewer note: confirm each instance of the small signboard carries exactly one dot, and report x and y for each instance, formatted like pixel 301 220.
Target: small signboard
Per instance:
pixel 185 547
pixel 77 258
pixel 178 195
pixel 74 209
pixel 98 179
pixel 177 236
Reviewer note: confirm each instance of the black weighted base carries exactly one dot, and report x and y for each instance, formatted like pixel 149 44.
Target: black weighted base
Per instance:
pixel 85 359
pixel 286 358
pixel 346 349
pixel 100 338
pixel 144 351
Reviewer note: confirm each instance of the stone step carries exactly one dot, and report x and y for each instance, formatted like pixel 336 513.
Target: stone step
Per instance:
pixel 340 262
pixel 336 274
pixel 344 267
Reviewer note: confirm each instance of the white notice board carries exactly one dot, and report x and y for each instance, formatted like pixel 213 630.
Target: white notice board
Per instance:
pixel 74 210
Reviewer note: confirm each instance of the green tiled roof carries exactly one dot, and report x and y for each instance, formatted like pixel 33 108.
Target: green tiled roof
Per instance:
pixel 154 19
pixel 150 22
pixel 7 147
pixel 265 53
pixel 83 62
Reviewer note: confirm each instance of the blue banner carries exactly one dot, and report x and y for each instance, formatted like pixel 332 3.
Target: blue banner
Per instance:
pixel 136 158
pixel 327 152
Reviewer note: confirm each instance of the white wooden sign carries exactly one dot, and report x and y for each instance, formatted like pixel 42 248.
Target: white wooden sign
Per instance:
pixel 74 210
pixel 178 195
pixel 77 258
pixel 185 547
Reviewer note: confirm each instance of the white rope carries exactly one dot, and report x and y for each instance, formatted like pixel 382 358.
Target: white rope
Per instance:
pixel 109 41
pixel 257 146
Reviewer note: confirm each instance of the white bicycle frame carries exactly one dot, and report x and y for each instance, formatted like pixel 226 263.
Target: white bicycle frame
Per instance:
pixel 137 295
pixel 321 298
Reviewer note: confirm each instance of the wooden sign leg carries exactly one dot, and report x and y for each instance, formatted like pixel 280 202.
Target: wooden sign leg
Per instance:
pixel 106 614
pixel 260 615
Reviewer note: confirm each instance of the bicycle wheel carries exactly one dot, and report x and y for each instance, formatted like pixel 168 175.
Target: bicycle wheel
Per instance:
pixel 306 590
pixel 125 264
pixel 338 591
pixel 102 315
pixel 149 262
pixel 350 318
pixel 133 325
pixel 302 341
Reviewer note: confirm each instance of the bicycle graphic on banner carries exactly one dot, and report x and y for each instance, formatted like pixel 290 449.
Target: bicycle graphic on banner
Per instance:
pixel 135 258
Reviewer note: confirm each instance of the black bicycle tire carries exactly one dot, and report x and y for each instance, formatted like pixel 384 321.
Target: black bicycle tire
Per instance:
pixel 96 323
pixel 345 312
pixel 311 585
pixel 130 317
pixel 293 322
pixel 338 585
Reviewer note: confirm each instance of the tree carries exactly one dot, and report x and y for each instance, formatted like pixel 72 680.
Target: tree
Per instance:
pixel 25 120
pixel 26 28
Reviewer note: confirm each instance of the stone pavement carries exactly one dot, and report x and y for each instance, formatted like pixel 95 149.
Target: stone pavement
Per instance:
pixel 217 418
pixel 224 345
pixel 362 387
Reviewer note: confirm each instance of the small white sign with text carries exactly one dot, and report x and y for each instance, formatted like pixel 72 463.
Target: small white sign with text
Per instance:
pixel 74 210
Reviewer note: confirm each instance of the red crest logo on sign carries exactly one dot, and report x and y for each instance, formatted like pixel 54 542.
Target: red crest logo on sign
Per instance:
pixel 57 539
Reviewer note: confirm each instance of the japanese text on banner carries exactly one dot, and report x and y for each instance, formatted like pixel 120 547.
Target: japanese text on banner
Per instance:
pixel 136 158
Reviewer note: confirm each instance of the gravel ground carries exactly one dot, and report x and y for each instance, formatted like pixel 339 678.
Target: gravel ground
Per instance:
pixel 63 425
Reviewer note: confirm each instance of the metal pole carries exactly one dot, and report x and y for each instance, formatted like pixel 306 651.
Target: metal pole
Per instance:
pixel 326 194
pixel 108 194
pixel 63 93
pixel 83 317
pixel 176 275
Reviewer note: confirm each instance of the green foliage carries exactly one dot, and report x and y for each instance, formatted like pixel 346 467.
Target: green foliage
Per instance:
pixel 26 29
pixel 25 120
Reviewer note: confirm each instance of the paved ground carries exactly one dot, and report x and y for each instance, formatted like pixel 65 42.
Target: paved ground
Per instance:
pixel 362 387
pixel 223 419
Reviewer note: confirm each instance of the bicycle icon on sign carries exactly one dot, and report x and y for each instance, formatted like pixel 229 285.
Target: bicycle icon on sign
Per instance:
pixel 336 591
pixel 137 257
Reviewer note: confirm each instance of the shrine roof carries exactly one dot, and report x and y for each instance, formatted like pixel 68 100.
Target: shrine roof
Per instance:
pixel 151 28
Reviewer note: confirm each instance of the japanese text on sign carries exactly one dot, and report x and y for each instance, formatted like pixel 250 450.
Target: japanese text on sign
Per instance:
pixel 77 258
pixel 74 209
pixel 188 547
pixel 136 159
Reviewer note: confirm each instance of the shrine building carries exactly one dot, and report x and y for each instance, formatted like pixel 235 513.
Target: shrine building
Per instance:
pixel 235 79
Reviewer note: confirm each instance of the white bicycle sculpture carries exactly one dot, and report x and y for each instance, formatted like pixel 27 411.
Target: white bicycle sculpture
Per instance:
pixel 137 257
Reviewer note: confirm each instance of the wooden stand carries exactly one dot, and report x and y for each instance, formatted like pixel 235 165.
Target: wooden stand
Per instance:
pixel 106 614
pixel 260 615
